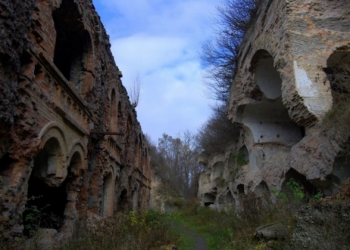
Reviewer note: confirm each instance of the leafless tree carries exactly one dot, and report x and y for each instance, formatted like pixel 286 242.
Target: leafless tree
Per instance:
pixel 220 54
pixel 217 133
pixel 135 90
pixel 175 161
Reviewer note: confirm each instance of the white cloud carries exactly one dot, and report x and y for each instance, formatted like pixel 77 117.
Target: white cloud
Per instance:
pixel 160 40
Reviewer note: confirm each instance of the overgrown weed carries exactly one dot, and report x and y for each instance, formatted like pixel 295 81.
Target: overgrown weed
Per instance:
pixel 131 231
pixel 234 229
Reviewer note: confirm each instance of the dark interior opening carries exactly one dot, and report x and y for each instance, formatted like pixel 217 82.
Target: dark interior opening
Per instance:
pixel 122 201
pixel 45 206
pixel 209 199
pixel 338 74
pixel 240 188
pixel 309 189
pixel 5 163
pixel 72 42
pixel 107 197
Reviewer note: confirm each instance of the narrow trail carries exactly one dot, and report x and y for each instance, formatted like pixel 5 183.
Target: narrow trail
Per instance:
pixel 200 243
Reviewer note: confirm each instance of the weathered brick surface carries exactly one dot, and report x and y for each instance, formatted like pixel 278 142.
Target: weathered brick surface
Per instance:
pixel 48 114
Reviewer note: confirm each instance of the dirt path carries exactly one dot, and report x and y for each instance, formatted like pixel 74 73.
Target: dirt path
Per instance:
pixel 199 240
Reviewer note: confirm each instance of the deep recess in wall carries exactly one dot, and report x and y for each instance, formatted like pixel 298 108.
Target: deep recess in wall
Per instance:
pixel 73 44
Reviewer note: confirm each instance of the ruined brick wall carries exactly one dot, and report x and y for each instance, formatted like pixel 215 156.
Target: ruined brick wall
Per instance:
pixel 60 95
pixel 280 96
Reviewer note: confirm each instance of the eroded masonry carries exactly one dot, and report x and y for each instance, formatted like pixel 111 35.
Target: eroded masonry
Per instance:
pixel 70 143
pixel 293 63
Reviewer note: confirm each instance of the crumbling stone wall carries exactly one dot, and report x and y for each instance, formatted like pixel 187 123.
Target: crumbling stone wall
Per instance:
pixel 280 97
pixel 70 142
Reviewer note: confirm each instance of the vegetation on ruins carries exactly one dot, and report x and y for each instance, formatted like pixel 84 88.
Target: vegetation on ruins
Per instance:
pixel 131 231
pixel 135 91
pixel 220 57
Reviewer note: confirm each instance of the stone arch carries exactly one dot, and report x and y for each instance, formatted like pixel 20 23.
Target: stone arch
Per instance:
pixel 227 200
pixel 120 115
pixel 73 47
pixel 108 194
pixel 75 200
pixel 52 129
pixel 265 75
pixel 341 166
pixel 138 151
pixel 123 199
pixel 78 148
pixel 338 73
pixel 209 199
pixel 340 173
pixel 113 111
pixel 52 190
pixel 268 119
pixel 262 192
pixel 309 188
pixel 50 162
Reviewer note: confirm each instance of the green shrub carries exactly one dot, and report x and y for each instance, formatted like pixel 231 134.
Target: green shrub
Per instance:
pixel 240 159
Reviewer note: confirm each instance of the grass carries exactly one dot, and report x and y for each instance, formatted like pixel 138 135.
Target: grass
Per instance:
pixel 131 231
pixel 228 231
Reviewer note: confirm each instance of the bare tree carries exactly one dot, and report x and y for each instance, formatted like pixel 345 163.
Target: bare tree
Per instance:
pixel 175 162
pixel 217 133
pixel 220 54
pixel 135 90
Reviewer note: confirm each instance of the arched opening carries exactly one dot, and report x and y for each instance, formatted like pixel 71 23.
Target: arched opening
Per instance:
pixel 209 199
pixel 240 189
pixel 138 151
pixel 338 74
pixel 48 162
pixel 74 181
pixel 242 157
pixel 5 165
pixel 135 199
pixel 120 115
pixel 108 195
pixel 47 198
pixel 45 206
pixel 266 76
pixel 294 179
pixel 129 135
pixel 73 43
pixel 341 166
pixel 123 200
pixel 113 112
pixel 340 173
pixel 262 192
pixel 227 200
pixel 268 120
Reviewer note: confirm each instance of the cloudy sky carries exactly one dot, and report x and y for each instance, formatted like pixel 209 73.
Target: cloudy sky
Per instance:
pixel 160 41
